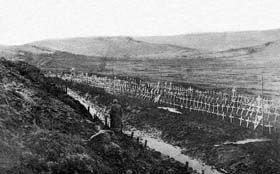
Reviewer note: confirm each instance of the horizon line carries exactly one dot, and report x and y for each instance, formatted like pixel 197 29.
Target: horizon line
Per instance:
pixel 137 36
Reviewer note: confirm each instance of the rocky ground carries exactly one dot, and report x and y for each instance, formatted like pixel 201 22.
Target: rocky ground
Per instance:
pixel 202 136
pixel 43 130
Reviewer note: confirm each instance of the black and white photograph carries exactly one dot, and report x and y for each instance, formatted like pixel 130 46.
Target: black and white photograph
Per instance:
pixel 139 87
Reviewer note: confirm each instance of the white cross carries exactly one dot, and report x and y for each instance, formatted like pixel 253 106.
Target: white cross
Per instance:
pixel 241 119
pixel 209 105
pixel 204 109
pixel 248 110
pixel 232 107
pixel 218 106
pixel 191 108
pixel 218 113
pixel 269 127
pixel 205 104
pixel 223 115
pixel 213 111
pixel 228 107
pixel 208 110
pixel 231 116
pixel 223 107
pixel 194 102
pixel 198 109
pixel 248 120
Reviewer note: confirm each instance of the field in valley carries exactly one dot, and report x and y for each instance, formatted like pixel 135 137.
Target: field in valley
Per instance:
pixel 211 72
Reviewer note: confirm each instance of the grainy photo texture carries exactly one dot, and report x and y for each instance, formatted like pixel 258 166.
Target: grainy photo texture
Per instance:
pixel 139 87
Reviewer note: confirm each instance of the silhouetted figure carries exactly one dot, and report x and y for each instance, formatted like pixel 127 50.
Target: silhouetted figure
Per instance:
pixel 116 116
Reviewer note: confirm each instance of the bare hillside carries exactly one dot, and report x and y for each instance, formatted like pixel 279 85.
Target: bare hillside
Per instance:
pixel 111 47
pixel 217 41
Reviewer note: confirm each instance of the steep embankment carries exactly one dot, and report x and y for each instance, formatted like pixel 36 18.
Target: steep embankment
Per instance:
pixel 43 130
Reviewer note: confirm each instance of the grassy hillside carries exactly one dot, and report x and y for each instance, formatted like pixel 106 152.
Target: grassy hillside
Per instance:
pixel 241 67
pixel 50 59
pixel 111 47
pixel 15 52
pixel 217 41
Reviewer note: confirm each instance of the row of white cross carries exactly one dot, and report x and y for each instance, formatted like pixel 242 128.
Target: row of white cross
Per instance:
pixel 220 104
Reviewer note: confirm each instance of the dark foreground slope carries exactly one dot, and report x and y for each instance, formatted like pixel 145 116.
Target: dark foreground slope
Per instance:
pixel 43 130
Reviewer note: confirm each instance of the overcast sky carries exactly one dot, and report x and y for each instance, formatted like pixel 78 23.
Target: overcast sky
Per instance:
pixel 22 21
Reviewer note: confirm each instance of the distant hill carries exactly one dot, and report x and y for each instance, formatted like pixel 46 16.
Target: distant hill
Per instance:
pixel 112 47
pixel 217 41
pixel 18 52
pixel 268 50
pixel 46 58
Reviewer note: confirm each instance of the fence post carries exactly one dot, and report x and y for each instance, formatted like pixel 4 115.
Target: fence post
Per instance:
pixel 137 140
pixel 106 122
pixel 186 167
pixel 146 141
pixel 132 133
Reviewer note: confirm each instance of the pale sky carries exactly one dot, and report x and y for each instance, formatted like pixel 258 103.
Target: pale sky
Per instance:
pixel 23 21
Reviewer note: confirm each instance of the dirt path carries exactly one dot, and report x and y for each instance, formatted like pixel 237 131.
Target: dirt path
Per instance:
pixel 154 140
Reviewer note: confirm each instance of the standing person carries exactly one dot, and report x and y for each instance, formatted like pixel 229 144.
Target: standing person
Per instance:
pixel 116 116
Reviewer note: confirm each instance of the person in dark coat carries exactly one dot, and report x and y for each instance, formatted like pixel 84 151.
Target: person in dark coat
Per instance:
pixel 116 116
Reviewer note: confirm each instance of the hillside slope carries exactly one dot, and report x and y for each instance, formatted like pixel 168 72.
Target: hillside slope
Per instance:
pixel 111 47
pixel 50 59
pixel 43 130
pixel 217 41
pixel 18 52
pixel 268 50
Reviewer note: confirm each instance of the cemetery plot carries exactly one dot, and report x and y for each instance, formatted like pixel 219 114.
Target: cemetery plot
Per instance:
pixel 254 112
pixel 219 140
